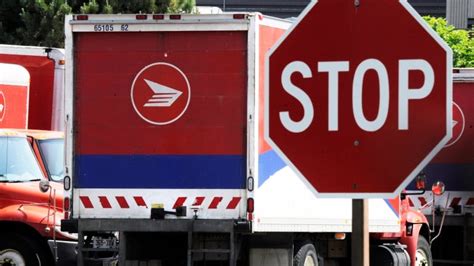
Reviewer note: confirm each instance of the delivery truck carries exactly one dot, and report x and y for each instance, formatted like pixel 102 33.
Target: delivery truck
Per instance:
pixel 30 207
pixel 166 163
pixel 454 166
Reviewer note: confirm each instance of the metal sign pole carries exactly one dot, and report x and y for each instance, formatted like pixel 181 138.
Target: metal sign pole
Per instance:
pixel 360 232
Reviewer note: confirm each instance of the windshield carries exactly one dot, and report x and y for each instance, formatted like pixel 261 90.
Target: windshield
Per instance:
pixel 52 151
pixel 17 161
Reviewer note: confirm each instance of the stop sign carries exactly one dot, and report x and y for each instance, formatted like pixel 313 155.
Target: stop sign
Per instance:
pixel 358 97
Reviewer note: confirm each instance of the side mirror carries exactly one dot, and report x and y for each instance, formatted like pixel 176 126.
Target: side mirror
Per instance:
pixel 438 188
pixel 44 186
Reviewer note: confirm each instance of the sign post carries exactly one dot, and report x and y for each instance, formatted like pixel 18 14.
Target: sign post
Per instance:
pixel 357 110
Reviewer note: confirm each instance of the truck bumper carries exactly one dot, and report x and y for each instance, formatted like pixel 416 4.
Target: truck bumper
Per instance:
pixel 67 252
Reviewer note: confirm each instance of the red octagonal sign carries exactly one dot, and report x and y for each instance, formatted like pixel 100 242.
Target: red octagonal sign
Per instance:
pixel 358 97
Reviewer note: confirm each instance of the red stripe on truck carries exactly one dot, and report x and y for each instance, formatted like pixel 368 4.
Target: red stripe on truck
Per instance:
pixel 179 202
pixel 215 202
pixel 86 202
pixel 233 203
pixel 470 201
pixel 455 202
pixel 198 201
pixel 140 201
pixel 422 201
pixel 104 202
pixel 122 202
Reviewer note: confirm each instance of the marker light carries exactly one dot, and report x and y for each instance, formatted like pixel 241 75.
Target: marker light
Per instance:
pixel 175 16
pixel 239 16
pixel 82 17
pixel 141 17
pixel 159 17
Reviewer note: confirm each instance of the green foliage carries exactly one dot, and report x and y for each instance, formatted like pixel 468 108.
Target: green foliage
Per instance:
pixel 41 22
pixel 460 41
pixel 9 21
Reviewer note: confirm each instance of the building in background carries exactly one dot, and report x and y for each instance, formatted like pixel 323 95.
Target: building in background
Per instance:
pixel 460 13
pixel 292 8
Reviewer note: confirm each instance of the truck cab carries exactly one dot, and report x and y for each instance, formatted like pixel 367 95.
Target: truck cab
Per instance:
pixel 48 147
pixel 30 208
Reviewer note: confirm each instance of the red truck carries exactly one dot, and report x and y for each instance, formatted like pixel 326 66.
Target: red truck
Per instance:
pixel 30 206
pixel 166 159
pixel 454 165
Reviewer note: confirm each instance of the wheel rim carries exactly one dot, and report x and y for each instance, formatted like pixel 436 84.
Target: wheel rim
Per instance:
pixel 421 258
pixel 11 257
pixel 309 261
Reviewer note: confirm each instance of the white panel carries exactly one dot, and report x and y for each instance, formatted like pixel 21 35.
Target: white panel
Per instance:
pixel 208 203
pixel 457 13
pixel 284 203
pixel 11 74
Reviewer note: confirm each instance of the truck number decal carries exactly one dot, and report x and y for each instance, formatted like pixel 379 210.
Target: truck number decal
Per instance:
pixel 124 27
pixel 104 27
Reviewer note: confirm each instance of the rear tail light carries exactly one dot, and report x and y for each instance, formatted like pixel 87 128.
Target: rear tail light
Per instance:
pixel 175 16
pixel 66 207
pixel 421 181
pixel 82 17
pixel 250 205
pixel 141 17
pixel 159 17
pixel 67 204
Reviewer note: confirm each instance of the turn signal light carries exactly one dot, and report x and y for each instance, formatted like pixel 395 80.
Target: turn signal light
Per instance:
pixel 438 188
pixel 339 236
pixel 250 205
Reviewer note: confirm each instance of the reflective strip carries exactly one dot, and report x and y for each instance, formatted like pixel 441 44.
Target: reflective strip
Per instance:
pixel 233 203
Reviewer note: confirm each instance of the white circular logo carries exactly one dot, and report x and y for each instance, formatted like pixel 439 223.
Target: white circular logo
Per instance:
pixel 160 93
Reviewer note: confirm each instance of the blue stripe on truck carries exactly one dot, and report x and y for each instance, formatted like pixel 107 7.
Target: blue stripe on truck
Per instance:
pixel 269 164
pixel 456 176
pixel 160 171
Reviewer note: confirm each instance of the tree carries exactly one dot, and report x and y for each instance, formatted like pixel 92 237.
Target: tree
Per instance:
pixel 460 41
pixel 41 22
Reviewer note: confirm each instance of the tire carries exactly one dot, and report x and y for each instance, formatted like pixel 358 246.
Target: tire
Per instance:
pixel 306 256
pixel 16 249
pixel 423 253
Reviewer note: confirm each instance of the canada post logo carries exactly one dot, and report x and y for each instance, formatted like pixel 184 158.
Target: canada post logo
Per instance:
pixel 160 93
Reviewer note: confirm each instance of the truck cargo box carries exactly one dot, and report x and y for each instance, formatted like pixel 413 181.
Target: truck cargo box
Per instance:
pixel 45 67
pixel 168 109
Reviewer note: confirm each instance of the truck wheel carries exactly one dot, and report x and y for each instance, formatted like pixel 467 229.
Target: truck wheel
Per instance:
pixel 423 253
pixel 17 250
pixel 306 256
